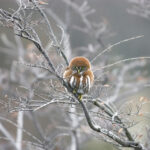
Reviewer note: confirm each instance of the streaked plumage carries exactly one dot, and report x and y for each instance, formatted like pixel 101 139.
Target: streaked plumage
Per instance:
pixel 78 75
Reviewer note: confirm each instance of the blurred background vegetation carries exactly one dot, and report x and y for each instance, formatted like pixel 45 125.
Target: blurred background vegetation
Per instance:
pixel 121 25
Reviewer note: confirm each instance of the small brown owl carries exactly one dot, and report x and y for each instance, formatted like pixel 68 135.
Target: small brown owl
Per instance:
pixel 79 75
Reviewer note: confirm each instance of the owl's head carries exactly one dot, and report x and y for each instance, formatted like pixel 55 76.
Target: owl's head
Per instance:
pixel 79 65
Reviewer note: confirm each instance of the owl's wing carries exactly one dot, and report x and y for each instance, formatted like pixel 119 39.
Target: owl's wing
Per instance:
pixel 89 78
pixel 87 84
pixel 67 74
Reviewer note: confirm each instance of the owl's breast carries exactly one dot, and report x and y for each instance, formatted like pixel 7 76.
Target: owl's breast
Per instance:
pixel 80 82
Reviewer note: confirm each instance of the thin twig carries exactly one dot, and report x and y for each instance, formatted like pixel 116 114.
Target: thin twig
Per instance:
pixel 111 46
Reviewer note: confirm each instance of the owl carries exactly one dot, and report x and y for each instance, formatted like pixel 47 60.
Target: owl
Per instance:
pixel 79 75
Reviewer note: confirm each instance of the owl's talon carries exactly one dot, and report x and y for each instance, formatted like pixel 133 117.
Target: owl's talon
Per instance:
pixel 80 97
pixel 74 91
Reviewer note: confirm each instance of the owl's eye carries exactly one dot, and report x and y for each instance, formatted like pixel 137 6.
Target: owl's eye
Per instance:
pixel 83 68
pixel 74 68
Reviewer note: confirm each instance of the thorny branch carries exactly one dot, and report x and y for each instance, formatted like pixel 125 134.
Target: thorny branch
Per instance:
pixel 51 32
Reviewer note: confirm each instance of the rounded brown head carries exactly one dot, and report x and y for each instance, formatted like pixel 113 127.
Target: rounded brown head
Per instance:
pixel 80 62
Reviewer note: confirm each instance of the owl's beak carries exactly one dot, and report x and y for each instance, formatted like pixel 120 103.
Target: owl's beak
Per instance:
pixel 78 70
